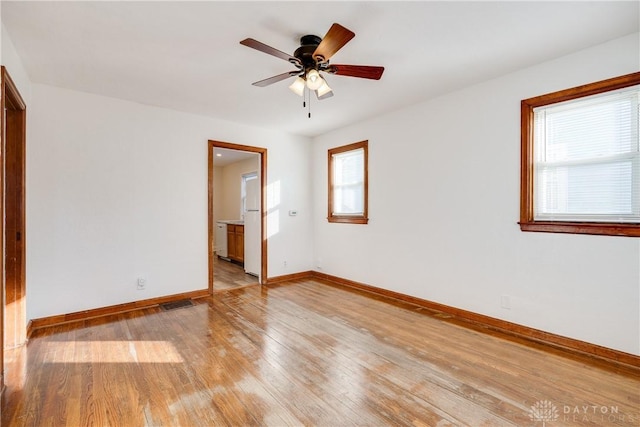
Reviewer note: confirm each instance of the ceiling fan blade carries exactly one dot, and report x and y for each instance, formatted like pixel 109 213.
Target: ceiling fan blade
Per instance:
pixel 336 37
pixel 275 79
pixel 362 71
pixel 255 44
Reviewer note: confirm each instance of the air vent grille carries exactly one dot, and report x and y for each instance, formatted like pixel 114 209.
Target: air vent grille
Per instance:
pixel 176 304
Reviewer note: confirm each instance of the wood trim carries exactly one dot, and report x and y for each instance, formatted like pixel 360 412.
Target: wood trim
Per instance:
pixel 348 219
pixel 588 89
pixel 10 90
pixel 77 316
pixel 14 226
pixel 606 229
pixel 290 277
pixel 526 163
pixel 30 329
pixel 263 202
pixel 2 254
pixel 263 206
pixel 12 218
pixel 211 227
pixel 527 223
pixel 520 331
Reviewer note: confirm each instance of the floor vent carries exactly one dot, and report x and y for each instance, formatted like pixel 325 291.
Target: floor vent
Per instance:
pixel 176 304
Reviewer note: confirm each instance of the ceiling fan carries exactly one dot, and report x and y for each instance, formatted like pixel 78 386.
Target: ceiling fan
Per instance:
pixel 311 58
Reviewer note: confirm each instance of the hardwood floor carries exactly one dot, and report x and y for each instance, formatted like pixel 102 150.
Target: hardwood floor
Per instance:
pixel 227 275
pixel 305 353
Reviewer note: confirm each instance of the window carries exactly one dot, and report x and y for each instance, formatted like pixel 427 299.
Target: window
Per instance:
pixel 243 191
pixel 348 183
pixel 580 165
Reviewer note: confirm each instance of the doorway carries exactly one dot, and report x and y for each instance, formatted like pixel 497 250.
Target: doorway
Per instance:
pixel 13 325
pixel 225 268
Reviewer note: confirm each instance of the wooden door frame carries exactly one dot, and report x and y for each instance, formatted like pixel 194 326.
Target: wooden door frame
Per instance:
pixel 263 203
pixel 12 209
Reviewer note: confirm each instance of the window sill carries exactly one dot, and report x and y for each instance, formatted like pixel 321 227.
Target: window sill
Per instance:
pixel 348 219
pixel 603 229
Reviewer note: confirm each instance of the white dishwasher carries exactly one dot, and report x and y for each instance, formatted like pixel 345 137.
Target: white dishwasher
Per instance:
pixel 221 239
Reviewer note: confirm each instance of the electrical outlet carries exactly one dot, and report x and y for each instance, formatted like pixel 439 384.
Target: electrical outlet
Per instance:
pixel 285 264
pixel 142 283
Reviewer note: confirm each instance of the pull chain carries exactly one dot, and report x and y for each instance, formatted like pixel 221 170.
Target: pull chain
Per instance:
pixel 305 104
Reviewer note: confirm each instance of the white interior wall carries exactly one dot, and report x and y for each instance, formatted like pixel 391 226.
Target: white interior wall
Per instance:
pixel 13 64
pixel 444 205
pixel 118 190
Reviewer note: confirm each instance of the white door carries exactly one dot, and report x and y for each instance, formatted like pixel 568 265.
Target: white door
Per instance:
pixel 252 222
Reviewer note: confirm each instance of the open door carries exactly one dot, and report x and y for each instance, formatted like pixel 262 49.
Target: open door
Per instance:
pixel 13 323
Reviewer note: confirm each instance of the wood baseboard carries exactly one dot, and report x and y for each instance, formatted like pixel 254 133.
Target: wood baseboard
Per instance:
pixel 492 323
pixel 479 320
pixel 112 309
pixel 289 277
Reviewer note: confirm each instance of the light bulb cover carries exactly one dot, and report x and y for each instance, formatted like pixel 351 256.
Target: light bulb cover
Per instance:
pixel 314 80
pixel 297 86
pixel 324 89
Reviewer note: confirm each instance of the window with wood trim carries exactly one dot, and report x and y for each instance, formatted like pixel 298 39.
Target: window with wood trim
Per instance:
pixel 580 159
pixel 348 183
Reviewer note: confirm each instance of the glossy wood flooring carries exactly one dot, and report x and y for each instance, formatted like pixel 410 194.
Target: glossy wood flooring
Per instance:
pixel 227 275
pixel 305 353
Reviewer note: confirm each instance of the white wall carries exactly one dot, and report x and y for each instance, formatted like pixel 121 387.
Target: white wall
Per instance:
pixel 118 190
pixel 444 205
pixel 13 64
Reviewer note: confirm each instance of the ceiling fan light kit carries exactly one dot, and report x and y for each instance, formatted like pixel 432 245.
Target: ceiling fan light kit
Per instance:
pixel 314 81
pixel 298 86
pixel 323 90
pixel 311 58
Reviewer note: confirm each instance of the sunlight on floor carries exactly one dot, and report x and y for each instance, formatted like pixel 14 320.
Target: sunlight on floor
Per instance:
pixel 111 352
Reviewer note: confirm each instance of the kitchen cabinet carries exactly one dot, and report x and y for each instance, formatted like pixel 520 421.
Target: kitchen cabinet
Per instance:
pixel 235 242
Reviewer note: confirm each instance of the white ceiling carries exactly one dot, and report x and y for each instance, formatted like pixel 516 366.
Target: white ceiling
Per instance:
pixel 186 55
pixel 224 156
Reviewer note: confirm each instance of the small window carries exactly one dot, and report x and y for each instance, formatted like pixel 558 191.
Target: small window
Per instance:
pixel 243 191
pixel 581 159
pixel 348 184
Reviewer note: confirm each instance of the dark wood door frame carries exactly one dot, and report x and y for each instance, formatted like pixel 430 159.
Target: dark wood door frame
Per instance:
pixel 263 203
pixel 13 325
